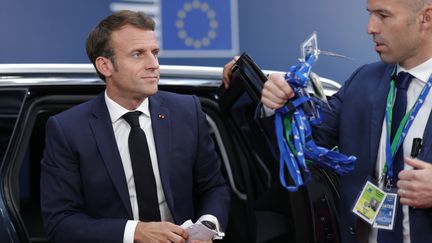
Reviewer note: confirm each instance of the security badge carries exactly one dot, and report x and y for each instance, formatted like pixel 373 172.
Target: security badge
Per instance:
pixel 386 215
pixel 369 202
pixel 376 207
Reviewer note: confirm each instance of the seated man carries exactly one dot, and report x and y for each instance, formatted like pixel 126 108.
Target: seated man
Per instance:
pixel 132 164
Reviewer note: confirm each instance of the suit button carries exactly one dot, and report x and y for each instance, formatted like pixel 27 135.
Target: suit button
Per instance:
pixel 351 230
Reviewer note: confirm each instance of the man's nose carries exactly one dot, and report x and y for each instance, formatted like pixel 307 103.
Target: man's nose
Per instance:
pixel 372 26
pixel 153 62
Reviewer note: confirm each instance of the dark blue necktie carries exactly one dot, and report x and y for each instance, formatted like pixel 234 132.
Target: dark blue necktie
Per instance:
pixel 145 184
pixel 399 109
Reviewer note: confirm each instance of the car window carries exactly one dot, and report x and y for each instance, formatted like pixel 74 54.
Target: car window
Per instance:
pixel 10 106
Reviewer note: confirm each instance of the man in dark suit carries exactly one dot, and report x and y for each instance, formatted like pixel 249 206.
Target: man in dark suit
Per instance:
pixel 356 120
pixel 89 182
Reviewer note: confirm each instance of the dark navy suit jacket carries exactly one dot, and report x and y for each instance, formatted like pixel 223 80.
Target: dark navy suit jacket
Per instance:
pixel 354 123
pixel 84 195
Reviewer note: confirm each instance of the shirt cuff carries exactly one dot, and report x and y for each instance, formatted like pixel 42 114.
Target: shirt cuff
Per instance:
pixel 210 218
pixel 266 112
pixel 129 232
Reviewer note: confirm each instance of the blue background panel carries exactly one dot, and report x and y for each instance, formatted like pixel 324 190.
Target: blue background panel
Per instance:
pixel 53 31
pixel 208 20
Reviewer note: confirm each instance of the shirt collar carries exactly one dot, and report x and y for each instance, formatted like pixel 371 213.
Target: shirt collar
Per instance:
pixel 421 72
pixel 116 111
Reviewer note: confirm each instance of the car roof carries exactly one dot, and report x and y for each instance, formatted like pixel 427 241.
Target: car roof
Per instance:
pixel 24 74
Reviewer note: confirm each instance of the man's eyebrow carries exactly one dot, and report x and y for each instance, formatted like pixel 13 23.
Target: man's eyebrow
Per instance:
pixel 137 50
pixel 382 11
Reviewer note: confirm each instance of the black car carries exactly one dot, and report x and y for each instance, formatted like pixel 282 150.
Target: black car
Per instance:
pixel 261 210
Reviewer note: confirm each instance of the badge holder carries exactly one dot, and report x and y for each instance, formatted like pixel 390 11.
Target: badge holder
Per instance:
pixel 369 202
pixel 386 217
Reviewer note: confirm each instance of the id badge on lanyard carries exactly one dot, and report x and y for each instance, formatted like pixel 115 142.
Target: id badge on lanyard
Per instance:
pixel 376 206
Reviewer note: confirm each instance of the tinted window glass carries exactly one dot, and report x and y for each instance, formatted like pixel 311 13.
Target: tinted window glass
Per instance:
pixel 10 106
pixel 244 113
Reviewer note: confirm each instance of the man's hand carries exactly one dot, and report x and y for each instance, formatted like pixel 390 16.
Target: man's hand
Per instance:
pixel 200 241
pixel 415 186
pixel 276 91
pixel 159 232
pixel 227 71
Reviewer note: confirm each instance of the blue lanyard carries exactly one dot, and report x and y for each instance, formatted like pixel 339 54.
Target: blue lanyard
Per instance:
pixel 296 146
pixel 404 126
pixel 294 163
pixel 294 133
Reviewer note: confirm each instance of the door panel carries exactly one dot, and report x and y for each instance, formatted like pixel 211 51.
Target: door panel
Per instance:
pixel 308 215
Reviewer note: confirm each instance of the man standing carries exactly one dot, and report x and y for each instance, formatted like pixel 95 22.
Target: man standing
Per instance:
pixel 133 163
pixel 364 119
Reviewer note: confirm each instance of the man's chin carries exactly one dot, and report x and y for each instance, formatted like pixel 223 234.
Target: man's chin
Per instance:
pixel 151 92
pixel 387 59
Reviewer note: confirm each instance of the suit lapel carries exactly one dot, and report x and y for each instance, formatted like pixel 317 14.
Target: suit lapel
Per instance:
pixel 101 125
pixel 378 112
pixel 379 101
pixel 161 124
pixel 427 140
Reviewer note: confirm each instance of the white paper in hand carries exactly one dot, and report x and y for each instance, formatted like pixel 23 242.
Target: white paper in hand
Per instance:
pixel 198 231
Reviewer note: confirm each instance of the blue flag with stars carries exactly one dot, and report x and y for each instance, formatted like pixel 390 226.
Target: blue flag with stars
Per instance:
pixel 199 28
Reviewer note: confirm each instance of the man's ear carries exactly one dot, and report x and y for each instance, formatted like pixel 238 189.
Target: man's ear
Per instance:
pixel 104 66
pixel 426 16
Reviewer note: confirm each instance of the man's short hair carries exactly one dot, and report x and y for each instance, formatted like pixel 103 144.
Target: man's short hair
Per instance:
pixel 98 41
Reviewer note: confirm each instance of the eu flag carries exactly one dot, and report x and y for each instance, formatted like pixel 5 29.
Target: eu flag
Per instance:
pixel 199 27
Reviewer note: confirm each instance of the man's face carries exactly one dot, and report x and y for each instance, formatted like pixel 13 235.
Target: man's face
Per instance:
pixel 396 31
pixel 135 73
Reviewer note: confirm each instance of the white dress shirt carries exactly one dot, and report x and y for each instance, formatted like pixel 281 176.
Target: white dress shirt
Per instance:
pixel 421 75
pixel 121 133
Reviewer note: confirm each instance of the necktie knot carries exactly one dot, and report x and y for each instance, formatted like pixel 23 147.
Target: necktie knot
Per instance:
pixel 132 118
pixel 403 80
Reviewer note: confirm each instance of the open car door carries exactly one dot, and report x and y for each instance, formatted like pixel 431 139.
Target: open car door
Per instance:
pixel 269 212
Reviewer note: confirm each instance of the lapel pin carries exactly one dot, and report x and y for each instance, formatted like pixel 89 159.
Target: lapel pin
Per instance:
pixel 161 116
